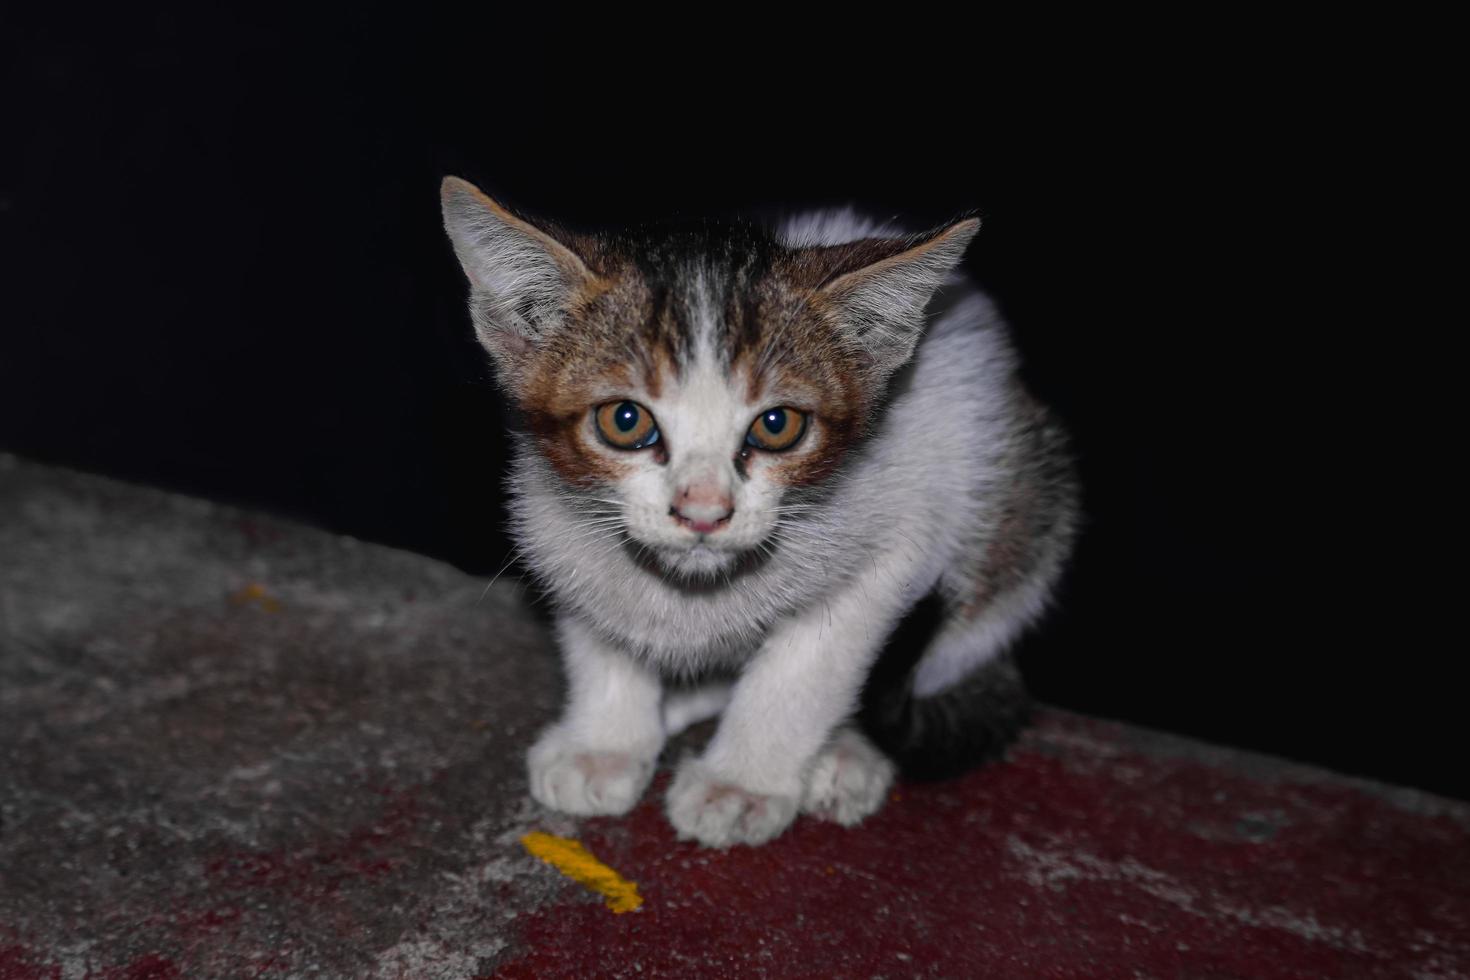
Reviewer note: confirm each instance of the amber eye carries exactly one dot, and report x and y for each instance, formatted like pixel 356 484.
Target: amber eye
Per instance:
pixel 776 429
pixel 626 425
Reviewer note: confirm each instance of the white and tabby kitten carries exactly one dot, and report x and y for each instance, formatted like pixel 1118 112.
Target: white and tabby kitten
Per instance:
pixel 789 476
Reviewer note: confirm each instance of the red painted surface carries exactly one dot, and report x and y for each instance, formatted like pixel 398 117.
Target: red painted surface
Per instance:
pixel 1096 861
pixel 150 967
pixel 316 872
pixel 17 962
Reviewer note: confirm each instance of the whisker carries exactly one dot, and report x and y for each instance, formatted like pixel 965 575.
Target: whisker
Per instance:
pixel 514 554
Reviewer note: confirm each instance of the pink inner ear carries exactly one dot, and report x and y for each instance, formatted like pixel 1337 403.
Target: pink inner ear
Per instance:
pixel 514 344
pixel 509 347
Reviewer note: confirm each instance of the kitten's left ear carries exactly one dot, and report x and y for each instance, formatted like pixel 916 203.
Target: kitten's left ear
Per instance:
pixel 521 277
pixel 880 288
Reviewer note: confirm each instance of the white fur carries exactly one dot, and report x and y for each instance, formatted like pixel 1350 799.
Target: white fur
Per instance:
pixel 847 780
pixel 600 756
pixel 836 226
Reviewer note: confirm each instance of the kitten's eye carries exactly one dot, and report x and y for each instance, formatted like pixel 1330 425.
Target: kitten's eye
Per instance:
pixel 626 425
pixel 776 429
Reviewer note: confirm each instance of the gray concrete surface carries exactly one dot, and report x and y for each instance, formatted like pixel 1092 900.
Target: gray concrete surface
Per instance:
pixel 197 701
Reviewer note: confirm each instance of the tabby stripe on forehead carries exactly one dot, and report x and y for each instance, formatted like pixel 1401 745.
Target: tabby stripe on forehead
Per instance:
pixel 668 327
pixel 743 324
pixel 647 343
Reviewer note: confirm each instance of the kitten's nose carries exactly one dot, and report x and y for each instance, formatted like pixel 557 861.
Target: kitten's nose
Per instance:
pixel 702 507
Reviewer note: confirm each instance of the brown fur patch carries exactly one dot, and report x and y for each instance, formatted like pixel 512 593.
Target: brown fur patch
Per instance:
pixel 614 340
pixel 795 333
pixel 783 337
pixel 1007 556
pixel 1037 507
pixel 835 424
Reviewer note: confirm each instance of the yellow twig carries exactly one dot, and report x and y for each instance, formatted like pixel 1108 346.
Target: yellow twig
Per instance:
pixel 576 862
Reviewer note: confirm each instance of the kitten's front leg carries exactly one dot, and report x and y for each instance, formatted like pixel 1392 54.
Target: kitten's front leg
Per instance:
pixel 599 757
pixel 748 785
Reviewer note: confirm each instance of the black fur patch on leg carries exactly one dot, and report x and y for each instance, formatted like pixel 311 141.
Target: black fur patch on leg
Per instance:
pixel 965 725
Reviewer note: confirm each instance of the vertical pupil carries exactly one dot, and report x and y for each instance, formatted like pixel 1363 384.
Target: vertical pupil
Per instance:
pixel 626 417
pixel 775 421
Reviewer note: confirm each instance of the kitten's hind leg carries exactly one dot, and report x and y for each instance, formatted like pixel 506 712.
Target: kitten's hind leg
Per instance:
pixel 848 779
pixel 599 757
pixel 946 695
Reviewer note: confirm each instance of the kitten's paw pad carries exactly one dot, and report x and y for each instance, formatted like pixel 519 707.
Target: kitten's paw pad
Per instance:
pixel 718 813
pixel 848 780
pixel 573 778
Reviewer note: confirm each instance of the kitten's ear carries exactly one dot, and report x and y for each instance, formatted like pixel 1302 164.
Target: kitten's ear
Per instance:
pixel 880 287
pixel 520 276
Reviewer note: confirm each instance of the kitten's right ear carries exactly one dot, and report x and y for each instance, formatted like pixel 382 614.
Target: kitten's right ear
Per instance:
pixel 521 278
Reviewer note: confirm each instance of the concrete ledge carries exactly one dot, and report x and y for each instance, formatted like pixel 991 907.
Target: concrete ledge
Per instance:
pixel 231 746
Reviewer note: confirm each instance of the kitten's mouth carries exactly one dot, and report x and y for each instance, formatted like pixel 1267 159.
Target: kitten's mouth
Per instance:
pixel 698 563
pixel 696 560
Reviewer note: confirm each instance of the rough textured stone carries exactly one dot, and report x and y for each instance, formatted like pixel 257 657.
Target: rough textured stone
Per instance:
pixel 231 746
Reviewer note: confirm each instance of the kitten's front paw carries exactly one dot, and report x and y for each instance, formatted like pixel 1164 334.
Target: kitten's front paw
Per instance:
pixel 718 813
pixel 576 778
pixel 848 779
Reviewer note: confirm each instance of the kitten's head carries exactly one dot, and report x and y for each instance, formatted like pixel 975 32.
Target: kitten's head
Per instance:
pixel 686 385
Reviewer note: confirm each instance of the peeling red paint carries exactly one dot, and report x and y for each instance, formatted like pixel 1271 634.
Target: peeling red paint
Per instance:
pixel 150 967
pixel 319 870
pixel 1088 864
pixel 18 962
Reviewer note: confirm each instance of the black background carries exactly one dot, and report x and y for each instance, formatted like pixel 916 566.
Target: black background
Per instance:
pixel 224 274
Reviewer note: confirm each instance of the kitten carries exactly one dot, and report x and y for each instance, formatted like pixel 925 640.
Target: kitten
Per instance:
pixel 767 456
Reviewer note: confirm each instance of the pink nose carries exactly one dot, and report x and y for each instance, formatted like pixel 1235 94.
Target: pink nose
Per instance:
pixel 702 507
